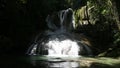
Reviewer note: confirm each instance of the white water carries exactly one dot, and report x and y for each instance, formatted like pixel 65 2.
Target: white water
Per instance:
pixel 64 47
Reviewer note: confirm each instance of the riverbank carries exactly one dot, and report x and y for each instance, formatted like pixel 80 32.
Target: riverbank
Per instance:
pixel 100 62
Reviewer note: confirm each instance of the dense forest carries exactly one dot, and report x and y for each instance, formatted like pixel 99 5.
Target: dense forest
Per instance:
pixel 22 20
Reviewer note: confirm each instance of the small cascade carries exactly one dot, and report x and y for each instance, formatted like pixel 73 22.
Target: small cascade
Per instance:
pixel 59 40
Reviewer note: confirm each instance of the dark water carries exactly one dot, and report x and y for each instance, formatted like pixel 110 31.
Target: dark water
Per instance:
pixel 37 62
pixel 14 62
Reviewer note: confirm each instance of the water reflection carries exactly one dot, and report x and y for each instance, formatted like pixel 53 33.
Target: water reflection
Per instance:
pixel 66 64
pixel 54 62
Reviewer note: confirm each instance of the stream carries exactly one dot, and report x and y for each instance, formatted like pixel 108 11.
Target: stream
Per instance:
pixel 12 61
pixel 39 62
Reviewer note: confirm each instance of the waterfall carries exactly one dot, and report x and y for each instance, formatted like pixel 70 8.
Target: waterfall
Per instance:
pixel 59 40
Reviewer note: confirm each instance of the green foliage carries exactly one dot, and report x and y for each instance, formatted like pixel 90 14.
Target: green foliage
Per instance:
pixel 101 9
pixel 23 1
pixel 104 20
pixel 117 38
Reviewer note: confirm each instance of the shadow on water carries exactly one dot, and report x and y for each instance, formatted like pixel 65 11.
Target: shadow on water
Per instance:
pixel 101 65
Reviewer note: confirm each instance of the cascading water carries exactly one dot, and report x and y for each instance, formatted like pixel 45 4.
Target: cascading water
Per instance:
pixel 59 40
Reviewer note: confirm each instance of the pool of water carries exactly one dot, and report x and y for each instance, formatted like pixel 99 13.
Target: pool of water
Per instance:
pixel 39 62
